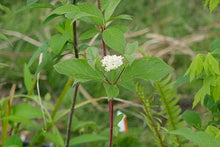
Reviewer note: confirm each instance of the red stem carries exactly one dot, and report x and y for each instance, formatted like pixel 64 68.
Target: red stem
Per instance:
pixel 110 102
pixel 111 109
pixel 103 43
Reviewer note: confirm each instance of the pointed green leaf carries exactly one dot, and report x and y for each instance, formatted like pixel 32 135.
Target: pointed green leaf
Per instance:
pixel 79 69
pixel 55 137
pixel 120 17
pixel 111 91
pixel 88 34
pixel 65 9
pixel 87 138
pixel 92 56
pixel 30 2
pixel 57 42
pixel 27 77
pixel 111 8
pixel 115 39
pixel 200 138
pixel 152 68
pixel 192 119
pixel 130 51
pixel 13 141
pixel 27 111
pixel 34 6
pixel 3 37
pixel 19 119
pixel 216 90
pixel 196 67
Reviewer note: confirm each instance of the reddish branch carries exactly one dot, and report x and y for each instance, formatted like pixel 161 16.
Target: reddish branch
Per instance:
pixel 76 86
pixel 110 102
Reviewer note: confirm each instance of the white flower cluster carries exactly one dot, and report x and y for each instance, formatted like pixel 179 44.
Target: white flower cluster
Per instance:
pixel 111 62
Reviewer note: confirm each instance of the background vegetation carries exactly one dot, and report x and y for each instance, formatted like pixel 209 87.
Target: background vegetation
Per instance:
pixel 172 30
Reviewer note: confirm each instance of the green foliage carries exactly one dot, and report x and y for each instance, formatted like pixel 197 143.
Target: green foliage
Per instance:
pixel 192 119
pixel 26 111
pixel 87 138
pixel 114 38
pixel 153 121
pixel 55 137
pixel 111 91
pixel 27 77
pixel 57 42
pixel 13 141
pixel 206 67
pixel 200 138
pixel 212 4
pixel 79 69
pixel 196 67
pixel 3 37
pixel 88 34
pixel 130 54
pixel 92 56
pixel 115 123
pixel 212 130
pixel 169 101
pixel 151 68
pixel 110 8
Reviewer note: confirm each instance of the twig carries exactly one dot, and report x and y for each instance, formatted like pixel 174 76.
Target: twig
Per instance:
pixel 89 97
pixel 76 87
pixel 22 36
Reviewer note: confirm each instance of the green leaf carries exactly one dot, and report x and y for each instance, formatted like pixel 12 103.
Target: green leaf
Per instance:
pixel 90 9
pixel 2 65
pixel 88 34
pixel 3 37
pixel 111 8
pixel 18 119
pixel 92 56
pixel 212 64
pixel 115 39
pixel 212 4
pixel 130 51
pixel 216 90
pixel 200 138
pixel 111 91
pixel 27 111
pixel 128 85
pixel 120 17
pixel 14 141
pixel 35 56
pixel 122 28
pixel 77 125
pixel 69 28
pixel 152 68
pixel 65 9
pixel 87 138
pixel 104 4
pixel 118 119
pixel 79 69
pixel 212 130
pixel 200 95
pixel 115 130
pixel 55 137
pixel 34 6
pixel 27 77
pixel 192 119
pixel 89 13
pixel 30 2
pixel 196 67
pixel 215 45
pixel 57 42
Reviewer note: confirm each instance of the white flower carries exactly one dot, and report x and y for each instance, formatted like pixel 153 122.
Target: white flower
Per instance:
pixel 111 62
